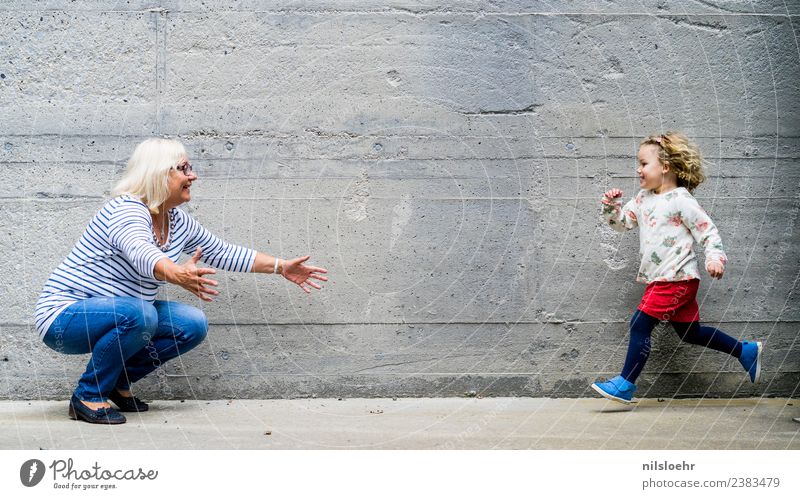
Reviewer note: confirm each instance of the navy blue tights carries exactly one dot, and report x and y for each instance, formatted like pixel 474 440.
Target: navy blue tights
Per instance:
pixel 691 332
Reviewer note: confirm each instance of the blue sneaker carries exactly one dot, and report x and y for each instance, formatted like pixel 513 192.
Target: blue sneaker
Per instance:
pixel 618 389
pixel 751 359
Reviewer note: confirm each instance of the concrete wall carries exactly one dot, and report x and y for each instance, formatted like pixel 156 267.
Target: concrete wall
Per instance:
pixel 444 163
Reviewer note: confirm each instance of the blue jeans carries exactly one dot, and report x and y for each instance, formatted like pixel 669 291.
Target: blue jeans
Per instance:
pixel 127 337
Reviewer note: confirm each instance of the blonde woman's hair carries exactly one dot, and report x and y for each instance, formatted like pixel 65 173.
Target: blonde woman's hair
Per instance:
pixel 147 174
pixel 682 157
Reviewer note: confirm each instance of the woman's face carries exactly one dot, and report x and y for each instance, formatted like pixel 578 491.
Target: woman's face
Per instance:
pixel 180 183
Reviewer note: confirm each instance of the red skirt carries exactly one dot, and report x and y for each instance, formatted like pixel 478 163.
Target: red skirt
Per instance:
pixel 672 301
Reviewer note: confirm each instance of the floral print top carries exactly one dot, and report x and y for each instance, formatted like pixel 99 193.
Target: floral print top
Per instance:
pixel 669 224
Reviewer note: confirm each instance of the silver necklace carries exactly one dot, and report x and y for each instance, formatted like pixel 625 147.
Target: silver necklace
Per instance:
pixel 165 246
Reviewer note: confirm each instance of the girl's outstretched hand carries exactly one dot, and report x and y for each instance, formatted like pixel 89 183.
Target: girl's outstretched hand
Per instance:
pixel 715 269
pixel 610 195
pixel 300 274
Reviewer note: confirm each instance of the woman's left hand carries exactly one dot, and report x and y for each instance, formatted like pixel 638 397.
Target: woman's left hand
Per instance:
pixel 301 274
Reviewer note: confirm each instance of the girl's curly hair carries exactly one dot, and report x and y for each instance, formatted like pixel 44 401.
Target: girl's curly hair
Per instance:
pixel 682 157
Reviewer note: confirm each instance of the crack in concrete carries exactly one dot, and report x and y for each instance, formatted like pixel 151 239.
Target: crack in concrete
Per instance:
pixel 703 26
pixel 526 110
pixel 712 5
pixel 436 359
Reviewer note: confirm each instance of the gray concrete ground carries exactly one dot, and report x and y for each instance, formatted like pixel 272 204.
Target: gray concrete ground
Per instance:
pixel 444 423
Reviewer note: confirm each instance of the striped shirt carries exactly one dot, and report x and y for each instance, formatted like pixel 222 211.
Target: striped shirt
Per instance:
pixel 117 253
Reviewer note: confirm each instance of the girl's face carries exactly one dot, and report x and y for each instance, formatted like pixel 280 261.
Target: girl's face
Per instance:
pixel 651 170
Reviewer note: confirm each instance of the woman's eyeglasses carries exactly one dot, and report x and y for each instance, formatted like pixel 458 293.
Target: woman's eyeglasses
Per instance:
pixel 184 168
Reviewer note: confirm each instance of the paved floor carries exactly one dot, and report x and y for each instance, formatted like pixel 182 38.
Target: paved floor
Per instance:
pixel 470 423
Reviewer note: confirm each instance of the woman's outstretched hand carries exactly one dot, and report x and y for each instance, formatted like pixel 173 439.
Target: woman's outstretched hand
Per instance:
pixel 190 277
pixel 301 274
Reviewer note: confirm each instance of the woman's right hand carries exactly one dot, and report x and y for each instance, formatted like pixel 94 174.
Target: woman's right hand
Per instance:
pixel 611 195
pixel 190 277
